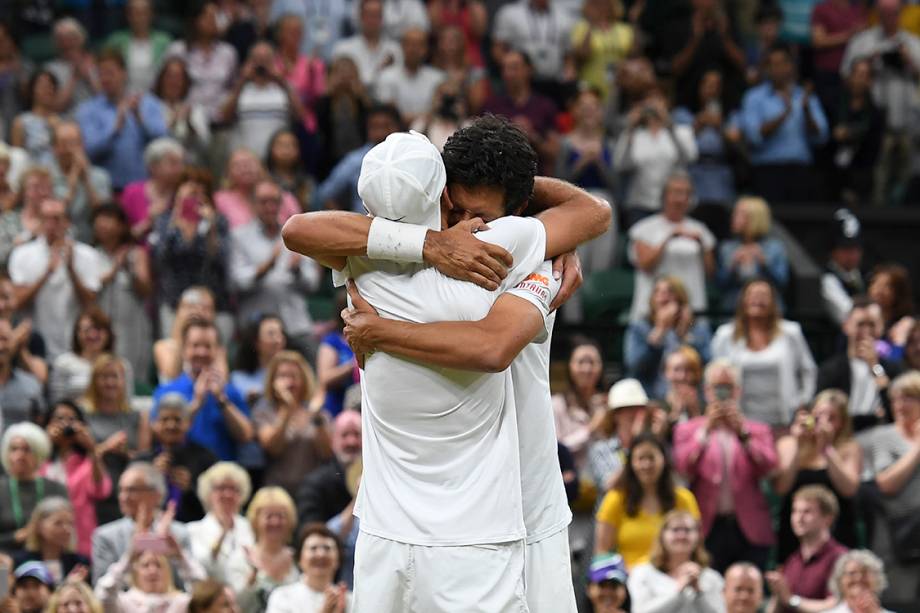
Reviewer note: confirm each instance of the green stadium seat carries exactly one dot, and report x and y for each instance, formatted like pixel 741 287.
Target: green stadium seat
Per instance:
pixel 606 293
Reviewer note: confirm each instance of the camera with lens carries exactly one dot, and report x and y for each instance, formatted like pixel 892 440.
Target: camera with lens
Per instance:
pixel 69 432
pixel 261 71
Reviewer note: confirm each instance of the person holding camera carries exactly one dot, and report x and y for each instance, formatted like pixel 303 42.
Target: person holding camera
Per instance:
pixel 75 462
pixel 261 102
pixel 895 55
pixel 724 456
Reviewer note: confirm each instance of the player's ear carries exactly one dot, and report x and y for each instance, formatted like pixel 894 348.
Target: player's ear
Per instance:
pixel 445 199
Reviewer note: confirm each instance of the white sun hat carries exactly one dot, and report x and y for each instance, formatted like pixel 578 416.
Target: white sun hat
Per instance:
pixel 626 393
pixel 402 179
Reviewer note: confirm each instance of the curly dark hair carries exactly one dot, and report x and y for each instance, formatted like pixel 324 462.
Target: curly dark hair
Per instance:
pixel 631 486
pixel 492 152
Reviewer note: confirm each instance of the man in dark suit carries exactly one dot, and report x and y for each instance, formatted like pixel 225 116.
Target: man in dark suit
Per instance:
pixel 861 371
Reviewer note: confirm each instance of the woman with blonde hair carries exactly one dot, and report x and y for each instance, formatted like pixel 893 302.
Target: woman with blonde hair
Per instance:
pixel 677 577
pixel 819 450
pixel 273 518
pixel 75 597
pixel 683 374
pixel 290 422
pixel 50 539
pixel 670 324
pixel 220 540
pixel 751 254
pixel 20 224
pixel 771 354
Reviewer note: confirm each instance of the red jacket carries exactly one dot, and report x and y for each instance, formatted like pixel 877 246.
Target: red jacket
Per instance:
pixel 703 468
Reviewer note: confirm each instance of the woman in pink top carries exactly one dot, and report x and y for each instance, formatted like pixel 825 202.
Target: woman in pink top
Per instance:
pixel 76 464
pixel 307 75
pixel 143 201
pixel 244 171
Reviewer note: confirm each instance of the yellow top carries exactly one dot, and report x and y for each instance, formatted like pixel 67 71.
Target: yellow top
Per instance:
pixel 608 48
pixel 636 535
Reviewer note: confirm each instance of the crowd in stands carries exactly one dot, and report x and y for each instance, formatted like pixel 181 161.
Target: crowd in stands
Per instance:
pixel 180 422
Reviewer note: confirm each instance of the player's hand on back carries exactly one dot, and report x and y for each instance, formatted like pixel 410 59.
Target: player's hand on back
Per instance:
pixel 460 255
pixel 359 324
pixel 568 268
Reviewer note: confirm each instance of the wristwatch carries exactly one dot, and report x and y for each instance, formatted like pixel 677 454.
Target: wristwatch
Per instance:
pixel 878 371
pixel 795 601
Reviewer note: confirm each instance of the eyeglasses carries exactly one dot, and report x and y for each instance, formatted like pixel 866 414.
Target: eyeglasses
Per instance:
pixel 682 529
pixel 136 489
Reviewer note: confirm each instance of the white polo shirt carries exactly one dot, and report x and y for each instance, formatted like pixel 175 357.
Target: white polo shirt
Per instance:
pixel 546 507
pixel 440 446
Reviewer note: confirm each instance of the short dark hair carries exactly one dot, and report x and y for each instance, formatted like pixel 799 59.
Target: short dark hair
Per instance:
pixel 492 152
pixel 101 321
pixel 387 109
pixel 780 47
pixel 111 54
pixel 861 301
pixel 524 56
pixel 112 210
pixel 198 322
pixel 320 528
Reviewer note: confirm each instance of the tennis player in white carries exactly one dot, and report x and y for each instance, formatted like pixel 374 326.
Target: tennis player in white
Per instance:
pixel 440 503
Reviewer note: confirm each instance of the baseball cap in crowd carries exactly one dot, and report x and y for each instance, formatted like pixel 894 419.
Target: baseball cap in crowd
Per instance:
pixel 402 179
pixel 846 229
pixel 34 570
pixel 626 393
pixel 607 567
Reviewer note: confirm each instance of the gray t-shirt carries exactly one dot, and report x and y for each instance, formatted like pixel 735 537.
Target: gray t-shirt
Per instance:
pixel 20 398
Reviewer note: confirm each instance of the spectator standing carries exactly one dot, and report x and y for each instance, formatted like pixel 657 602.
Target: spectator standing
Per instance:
pixel 141 491
pixel 600 41
pixel 220 416
pixel 117 125
pixel 119 431
pixel 237 202
pixel 75 463
pixel 340 115
pixel 33 129
pixel 289 422
pixel 768 20
pixel 857 129
pixel 211 63
pixel 24 447
pixel 819 450
pixel 670 324
pixel 532 112
pixel 724 456
pixel 586 154
pixel 539 30
pixel 82 186
pixel 857 581
pixel 268 276
pixel 320 560
pixel 842 278
pixel 410 85
pixel 802 582
pixel 833 24
pixel 860 371
pixel 73 67
pixel 50 539
pixel 717 136
pixel 650 151
pixel 21 397
pixel 261 102
pixel 677 576
pixel 305 73
pixel 771 354
pixel 470 17
pixel 55 278
pixel 188 122
pixel 142 47
pixel 144 201
pixel 632 513
pixel 751 254
pixel 578 410
pixel 126 286
pixel 324 23
pixel 221 538
pixel 671 244
pixel 191 247
pixel 781 121
pixel 178 459
pixel 893 452
pixel 70 371
pixel 456 59
pixel 895 55
pixel 371 49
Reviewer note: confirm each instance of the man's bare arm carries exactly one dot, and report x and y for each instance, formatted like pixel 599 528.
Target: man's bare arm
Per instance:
pixel 329 237
pixel 570 215
pixel 487 345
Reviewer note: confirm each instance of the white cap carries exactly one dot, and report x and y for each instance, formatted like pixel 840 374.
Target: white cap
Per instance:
pixel 402 179
pixel 626 393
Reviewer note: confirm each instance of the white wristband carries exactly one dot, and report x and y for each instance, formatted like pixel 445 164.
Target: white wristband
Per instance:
pixel 395 242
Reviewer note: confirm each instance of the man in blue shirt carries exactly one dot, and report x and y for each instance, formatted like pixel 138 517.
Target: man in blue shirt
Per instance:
pixel 117 125
pixel 342 182
pixel 781 121
pixel 218 414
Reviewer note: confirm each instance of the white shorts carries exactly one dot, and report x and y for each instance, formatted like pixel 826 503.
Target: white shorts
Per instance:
pixel 393 577
pixel 548 575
